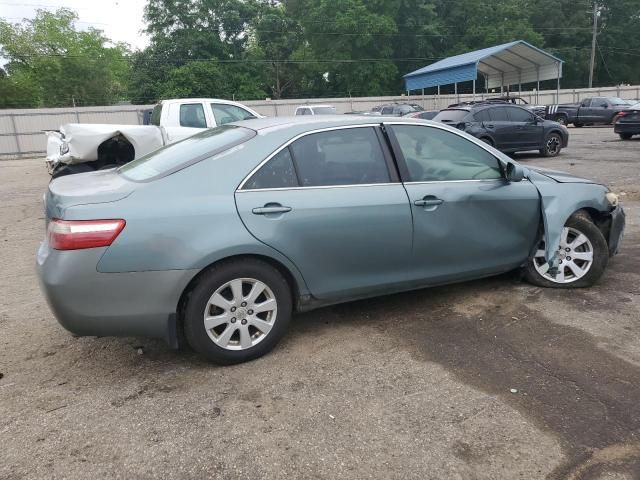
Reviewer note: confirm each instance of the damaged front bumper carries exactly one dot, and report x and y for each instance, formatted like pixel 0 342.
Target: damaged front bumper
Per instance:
pixel 616 230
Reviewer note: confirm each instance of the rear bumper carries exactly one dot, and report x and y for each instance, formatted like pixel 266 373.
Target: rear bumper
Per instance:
pixel 89 303
pixel 616 231
pixel 631 128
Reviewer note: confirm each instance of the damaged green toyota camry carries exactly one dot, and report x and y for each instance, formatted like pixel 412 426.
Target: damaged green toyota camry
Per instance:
pixel 218 239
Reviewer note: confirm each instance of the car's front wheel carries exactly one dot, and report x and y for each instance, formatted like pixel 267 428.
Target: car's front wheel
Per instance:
pixel 583 256
pixel 552 145
pixel 237 311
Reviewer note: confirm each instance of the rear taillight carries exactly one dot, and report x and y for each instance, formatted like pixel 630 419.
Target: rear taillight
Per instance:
pixel 622 114
pixel 80 234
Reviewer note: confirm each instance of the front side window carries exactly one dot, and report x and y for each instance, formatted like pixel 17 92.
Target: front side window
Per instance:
pixel 435 155
pixel 387 110
pixel 324 110
pixel 229 113
pixel 276 173
pixel 519 115
pixel 184 153
pixel 340 157
pixel 192 116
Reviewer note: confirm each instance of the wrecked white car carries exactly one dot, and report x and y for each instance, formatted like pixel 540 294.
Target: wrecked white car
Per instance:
pixel 78 148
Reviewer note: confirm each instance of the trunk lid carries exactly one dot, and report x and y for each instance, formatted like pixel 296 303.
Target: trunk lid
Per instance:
pixel 102 186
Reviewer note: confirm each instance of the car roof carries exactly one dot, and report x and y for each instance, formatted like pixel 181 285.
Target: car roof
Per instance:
pixel 198 100
pixel 301 124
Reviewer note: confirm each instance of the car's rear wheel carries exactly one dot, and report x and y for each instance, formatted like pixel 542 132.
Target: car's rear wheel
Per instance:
pixel 238 311
pixel 579 125
pixel 625 136
pixel 583 256
pixel 552 145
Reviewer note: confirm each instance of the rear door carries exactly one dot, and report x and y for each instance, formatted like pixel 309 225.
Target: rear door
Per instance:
pixel 333 205
pixel 468 220
pixel 501 128
pixel 528 132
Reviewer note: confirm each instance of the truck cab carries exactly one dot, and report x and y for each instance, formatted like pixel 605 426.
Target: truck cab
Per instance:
pixel 185 117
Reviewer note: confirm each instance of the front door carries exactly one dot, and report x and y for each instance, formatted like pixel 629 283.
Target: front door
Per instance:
pixel 468 220
pixel 331 204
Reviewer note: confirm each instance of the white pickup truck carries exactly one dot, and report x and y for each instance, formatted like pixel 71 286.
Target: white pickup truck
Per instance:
pixel 79 147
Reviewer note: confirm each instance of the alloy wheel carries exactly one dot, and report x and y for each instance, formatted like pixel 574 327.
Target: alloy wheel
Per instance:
pixel 576 257
pixel 553 145
pixel 240 314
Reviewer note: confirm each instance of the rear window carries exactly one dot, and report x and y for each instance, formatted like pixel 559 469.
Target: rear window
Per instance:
pixel 155 115
pixel 179 155
pixel 449 116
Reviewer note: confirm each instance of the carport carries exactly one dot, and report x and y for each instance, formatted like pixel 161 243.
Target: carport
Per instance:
pixel 504 65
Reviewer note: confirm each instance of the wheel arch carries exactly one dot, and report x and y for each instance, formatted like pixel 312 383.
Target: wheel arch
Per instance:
pixel 298 291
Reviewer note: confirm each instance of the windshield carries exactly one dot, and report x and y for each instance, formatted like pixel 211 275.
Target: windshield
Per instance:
pixel 617 101
pixel 324 110
pixel 450 116
pixel 179 155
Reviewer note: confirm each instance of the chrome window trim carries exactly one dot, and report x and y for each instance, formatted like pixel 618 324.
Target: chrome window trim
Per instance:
pixel 320 187
pixel 473 140
pixel 289 142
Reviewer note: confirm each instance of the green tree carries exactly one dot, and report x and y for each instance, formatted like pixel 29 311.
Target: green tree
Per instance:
pixel 51 63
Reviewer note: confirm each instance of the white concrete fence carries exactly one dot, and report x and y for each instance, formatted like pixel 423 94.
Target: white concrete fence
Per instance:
pixel 21 131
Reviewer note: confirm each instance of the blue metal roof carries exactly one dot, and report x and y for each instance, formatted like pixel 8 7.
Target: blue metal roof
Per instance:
pixel 511 59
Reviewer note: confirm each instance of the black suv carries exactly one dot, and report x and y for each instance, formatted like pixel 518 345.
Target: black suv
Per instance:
pixel 508 128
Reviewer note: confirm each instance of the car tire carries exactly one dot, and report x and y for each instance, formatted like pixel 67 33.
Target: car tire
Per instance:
pixel 562 119
pixel 260 332
pixel 578 224
pixel 487 140
pixel 578 125
pixel 625 136
pixel 552 145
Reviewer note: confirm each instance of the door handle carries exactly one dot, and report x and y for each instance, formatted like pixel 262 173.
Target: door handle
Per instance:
pixel 271 209
pixel 428 202
pixel 491 125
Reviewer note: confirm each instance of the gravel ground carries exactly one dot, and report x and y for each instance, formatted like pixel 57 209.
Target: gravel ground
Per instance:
pixel 483 380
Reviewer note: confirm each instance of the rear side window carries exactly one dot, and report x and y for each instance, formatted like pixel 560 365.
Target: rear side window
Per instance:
pixel 387 110
pixel 498 114
pixel 449 116
pixel 482 116
pixel 436 155
pixel 229 113
pixel 519 115
pixel 155 115
pixel 179 155
pixel 192 116
pixel 276 173
pixel 340 157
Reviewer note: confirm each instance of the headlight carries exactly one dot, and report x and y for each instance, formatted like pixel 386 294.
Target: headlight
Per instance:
pixel 613 199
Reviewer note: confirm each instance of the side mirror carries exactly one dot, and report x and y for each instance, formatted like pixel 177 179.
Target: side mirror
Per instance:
pixel 515 172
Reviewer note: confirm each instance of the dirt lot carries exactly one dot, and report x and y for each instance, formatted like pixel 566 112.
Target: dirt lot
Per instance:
pixel 417 385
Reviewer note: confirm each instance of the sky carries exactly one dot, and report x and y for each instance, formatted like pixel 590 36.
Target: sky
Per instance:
pixel 121 20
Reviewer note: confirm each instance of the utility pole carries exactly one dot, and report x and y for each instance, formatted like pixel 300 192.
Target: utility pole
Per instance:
pixel 593 42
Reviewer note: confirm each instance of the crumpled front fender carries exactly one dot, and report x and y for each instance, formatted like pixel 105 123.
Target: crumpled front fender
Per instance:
pixel 561 200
